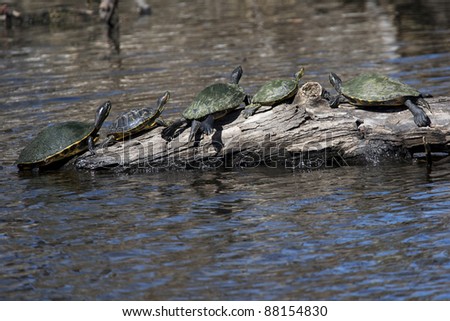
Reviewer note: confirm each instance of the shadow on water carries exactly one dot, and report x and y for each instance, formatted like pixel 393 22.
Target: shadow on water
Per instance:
pixel 369 233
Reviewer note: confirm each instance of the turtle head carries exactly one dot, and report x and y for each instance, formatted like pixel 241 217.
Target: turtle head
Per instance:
pixel 299 74
pixel 335 81
pixel 163 100
pixel 236 75
pixel 102 113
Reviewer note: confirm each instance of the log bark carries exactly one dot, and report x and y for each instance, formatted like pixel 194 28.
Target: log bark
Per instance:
pixel 305 134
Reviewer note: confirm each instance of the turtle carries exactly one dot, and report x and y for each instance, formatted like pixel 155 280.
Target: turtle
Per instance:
pixel 213 102
pixel 274 92
pixel 135 121
pixel 57 143
pixel 374 89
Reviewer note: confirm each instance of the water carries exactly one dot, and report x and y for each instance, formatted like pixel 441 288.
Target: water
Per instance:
pixel 362 233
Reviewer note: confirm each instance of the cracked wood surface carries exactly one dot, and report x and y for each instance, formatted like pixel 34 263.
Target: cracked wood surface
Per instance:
pixel 304 134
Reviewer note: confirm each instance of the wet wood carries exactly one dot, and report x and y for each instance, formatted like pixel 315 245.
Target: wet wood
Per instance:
pixel 305 134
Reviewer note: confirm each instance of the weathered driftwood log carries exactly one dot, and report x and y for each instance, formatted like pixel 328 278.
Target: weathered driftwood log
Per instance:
pixel 304 134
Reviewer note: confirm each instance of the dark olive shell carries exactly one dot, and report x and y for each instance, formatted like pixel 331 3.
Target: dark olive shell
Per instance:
pixel 55 143
pixel 133 121
pixel 377 89
pixel 215 98
pixel 275 91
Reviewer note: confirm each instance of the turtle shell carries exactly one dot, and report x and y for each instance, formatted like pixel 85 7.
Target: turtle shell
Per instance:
pixel 136 120
pixel 55 143
pixel 275 91
pixel 376 89
pixel 215 98
pixel 133 121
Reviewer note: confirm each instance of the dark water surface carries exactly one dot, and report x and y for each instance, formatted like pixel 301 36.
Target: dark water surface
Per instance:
pixel 375 232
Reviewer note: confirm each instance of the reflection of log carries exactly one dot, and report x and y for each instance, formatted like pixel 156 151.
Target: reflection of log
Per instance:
pixel 58 15
pixel 143 8
pixel 305 134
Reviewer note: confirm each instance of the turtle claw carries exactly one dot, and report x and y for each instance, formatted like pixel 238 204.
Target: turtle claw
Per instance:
pixel 420 117
pixel 168 133
pixel 195 126
pixel 247 112
pixel 326 95
pixel 207 126
pixel 250 110
pixel 335 101
pixel 422 120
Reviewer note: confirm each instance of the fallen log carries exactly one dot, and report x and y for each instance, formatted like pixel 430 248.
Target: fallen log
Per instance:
pixel 305 134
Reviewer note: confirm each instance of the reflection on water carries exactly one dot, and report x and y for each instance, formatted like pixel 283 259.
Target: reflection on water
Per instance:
pixel 346 233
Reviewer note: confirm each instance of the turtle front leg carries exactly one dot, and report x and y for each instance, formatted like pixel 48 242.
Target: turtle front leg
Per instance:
pixel 195 126
pixel 336 101
pixel 333 101
pixel 250 110
pixel 326 94
pixel 168 132
pixel 91 145
pixel 420 117
pixel 207 126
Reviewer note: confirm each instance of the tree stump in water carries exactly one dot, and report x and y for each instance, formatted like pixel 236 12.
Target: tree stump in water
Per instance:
pixel 305 134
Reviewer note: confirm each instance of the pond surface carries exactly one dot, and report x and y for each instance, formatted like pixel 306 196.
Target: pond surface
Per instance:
pixel 378 232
